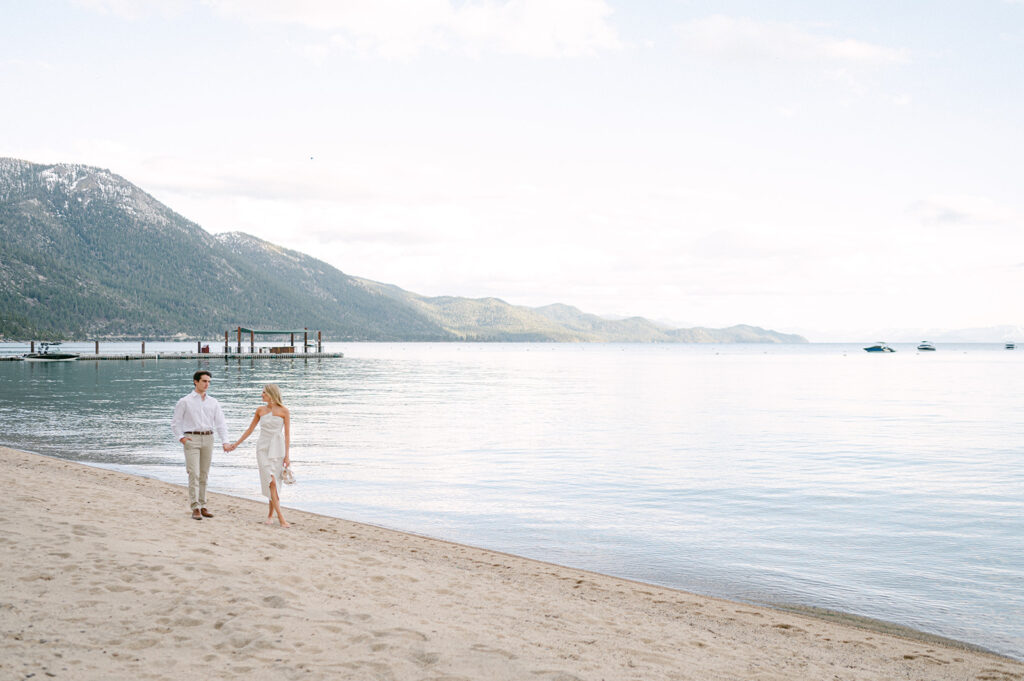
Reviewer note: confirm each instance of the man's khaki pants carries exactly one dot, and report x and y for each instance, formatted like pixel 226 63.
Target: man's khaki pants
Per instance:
pixel 198 454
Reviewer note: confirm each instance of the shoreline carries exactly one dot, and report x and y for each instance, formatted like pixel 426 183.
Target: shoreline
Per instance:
pixel 107 576
pixel 864 622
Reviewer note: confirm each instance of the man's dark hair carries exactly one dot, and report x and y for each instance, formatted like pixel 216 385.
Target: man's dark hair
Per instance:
pixel 199 374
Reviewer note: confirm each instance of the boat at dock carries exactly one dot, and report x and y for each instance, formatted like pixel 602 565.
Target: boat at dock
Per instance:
pixel 926 346
pixel 879 347
pixel 47 355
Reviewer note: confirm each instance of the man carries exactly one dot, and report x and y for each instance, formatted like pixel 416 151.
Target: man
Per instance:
pixel 196 417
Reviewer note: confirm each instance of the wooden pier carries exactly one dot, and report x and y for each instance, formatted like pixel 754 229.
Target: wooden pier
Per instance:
pixel 203 352
pixel 213 355
pixel 196 355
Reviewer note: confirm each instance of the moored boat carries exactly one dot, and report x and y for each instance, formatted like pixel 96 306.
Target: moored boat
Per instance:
pixel 925 345
pixel 46 355
pixel 879 347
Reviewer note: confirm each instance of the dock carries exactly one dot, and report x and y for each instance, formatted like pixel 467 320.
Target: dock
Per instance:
pixel 197 355
pixel 214 355
pixel 203 351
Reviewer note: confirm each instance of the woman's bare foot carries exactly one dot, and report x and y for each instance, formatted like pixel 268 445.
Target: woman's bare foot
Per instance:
pixel 268 521
pixel 285 523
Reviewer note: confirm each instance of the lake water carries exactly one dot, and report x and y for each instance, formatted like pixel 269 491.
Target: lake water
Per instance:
pixel 888 486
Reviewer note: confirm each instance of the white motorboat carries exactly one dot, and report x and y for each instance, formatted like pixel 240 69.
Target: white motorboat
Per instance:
pixel 46 354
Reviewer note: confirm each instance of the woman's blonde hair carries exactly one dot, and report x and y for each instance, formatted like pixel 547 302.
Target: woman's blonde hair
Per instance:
pixel 274 393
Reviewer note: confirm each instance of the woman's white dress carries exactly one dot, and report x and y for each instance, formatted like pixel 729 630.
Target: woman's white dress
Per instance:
pixel 270 451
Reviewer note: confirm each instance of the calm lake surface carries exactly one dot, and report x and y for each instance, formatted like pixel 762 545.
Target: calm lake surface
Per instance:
pixel 889 486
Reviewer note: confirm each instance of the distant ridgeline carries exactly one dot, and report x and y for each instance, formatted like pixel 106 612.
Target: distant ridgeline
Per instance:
pixel 86 254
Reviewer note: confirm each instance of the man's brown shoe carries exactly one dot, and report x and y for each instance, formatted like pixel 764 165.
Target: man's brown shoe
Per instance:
pixel 206 514
pixel 195 514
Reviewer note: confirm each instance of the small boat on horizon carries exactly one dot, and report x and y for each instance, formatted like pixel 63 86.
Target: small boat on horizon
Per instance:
pixel 45 355
pixel 925 345
pixel 1010 346
pixel 879 347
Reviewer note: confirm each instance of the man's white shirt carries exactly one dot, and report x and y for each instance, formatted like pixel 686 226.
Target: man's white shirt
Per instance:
pixel 193 413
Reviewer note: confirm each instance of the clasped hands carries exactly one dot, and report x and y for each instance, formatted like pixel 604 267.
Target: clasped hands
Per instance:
pixel 230 447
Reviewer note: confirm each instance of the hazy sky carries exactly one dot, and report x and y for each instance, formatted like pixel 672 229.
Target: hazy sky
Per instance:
pixel 810 166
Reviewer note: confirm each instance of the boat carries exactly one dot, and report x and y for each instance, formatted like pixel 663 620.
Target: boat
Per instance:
pixel 925 345
pixel 1010 346
pixel 46 355
pixel 879 347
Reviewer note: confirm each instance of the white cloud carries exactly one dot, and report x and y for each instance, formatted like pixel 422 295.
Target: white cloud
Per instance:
pixel 28 65
pixel 401 28
pixel 963 209
pixel 746 39
pixel 134 9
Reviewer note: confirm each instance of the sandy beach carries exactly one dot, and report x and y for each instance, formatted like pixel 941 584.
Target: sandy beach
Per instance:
pixel 106 576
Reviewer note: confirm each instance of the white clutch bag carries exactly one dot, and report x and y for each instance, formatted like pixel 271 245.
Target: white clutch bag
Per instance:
pixel 287 476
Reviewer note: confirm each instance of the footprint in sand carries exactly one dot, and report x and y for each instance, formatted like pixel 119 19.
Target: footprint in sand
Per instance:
pixel 187 622
pixel 650 658
pixel 141 643
pixel 272 628
pixel 376 669
pixel 86 531
pixel 925 657
pixel 991 674
pixel 399 632
pixel 424 659
pixel 37 577
pixel 481 648
pixel 548 675
pixel 241 640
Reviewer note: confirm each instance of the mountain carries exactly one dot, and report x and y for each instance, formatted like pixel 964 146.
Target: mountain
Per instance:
pixel 86 254
pixel 494 319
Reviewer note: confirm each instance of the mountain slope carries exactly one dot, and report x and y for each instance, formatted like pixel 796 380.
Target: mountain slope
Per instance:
pixel 86 254
pixel 494 319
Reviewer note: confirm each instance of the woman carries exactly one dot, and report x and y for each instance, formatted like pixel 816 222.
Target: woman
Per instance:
pixel 271 447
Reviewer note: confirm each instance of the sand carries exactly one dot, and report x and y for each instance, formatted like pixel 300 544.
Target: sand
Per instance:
pixel 106 576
